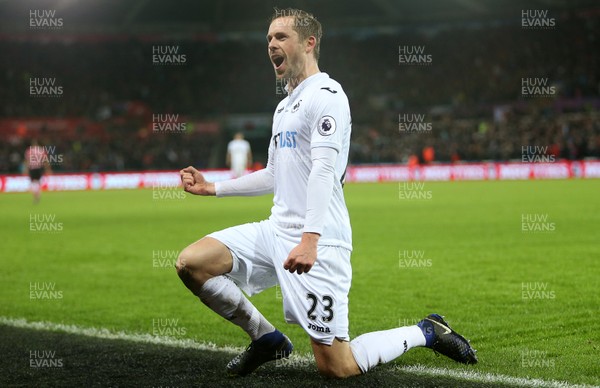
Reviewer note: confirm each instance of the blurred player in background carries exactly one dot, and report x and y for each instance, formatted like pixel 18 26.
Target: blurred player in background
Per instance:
pixel 35 164
pixel 239 155
pixel 305 244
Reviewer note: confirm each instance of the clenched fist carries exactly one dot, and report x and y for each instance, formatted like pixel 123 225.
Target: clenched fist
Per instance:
pixel 302 258
pixel 194 183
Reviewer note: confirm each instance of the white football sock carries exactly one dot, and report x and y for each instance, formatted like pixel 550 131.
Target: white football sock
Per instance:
pixel 222 296
pixel 379 347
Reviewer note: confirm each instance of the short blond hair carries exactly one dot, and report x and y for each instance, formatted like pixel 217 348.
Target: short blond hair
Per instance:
pixel 305 24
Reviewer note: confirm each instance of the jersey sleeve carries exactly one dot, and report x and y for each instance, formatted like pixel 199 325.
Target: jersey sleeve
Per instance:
pixel 319 188
pixel 329 118
pixel 257 183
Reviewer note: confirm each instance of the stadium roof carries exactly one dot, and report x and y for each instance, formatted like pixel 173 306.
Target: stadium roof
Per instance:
pixel 228 16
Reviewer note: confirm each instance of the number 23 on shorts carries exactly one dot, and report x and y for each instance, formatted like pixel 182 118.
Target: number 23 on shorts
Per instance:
pixel 327 307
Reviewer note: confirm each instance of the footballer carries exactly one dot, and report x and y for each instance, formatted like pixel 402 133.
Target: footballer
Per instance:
pixel 35 164
pixel 239 155
pixel 305 244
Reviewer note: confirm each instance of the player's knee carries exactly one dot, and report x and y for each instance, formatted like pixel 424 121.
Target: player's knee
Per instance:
pixel 332 372
pixel 187 271
pixel 186 262
pixel 335 360
pixel 180 263
pixel 195 262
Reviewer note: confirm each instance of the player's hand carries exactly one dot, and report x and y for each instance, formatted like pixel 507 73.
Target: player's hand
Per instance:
pixel 302 258
pixel 194 183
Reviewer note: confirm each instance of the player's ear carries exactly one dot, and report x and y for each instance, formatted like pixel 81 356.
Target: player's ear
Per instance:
pixel 311 41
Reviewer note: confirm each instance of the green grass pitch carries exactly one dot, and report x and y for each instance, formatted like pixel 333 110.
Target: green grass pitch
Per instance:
pixel 514 266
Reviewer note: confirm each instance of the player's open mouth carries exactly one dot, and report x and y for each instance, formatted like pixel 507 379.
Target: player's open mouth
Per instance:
pixel 277 61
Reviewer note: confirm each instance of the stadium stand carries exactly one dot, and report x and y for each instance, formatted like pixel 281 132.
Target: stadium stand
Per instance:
pixel 470 94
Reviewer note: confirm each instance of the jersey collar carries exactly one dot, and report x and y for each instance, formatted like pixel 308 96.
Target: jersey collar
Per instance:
pixel 306 82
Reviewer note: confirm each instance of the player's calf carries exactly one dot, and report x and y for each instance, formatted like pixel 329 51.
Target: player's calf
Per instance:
pixel 201 266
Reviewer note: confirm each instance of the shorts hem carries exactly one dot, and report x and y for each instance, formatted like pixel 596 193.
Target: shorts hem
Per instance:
pixel 329 340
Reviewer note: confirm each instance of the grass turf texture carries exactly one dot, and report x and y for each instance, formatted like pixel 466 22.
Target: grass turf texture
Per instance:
pixel 97 362
pixel 477 260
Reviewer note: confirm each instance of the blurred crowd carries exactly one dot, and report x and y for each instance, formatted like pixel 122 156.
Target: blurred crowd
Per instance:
pixel 469 95
pixel 571 136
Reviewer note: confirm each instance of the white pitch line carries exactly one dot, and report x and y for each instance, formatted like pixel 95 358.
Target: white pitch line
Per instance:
pixel 107 334
pixel 485 377
pixel 301 359
pixel 294 359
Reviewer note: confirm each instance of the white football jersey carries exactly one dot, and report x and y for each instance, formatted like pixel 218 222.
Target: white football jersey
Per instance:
pixel 315 114
pixel 239 149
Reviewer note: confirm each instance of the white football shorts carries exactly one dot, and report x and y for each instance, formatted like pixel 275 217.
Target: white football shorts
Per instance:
pixel 317 300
